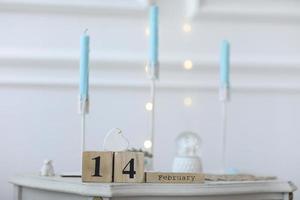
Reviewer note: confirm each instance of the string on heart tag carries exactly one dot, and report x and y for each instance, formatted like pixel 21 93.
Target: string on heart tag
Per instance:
pixel 118 132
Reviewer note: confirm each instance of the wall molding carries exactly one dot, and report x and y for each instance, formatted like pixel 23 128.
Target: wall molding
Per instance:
pixel 275 11
pixel 88 7
pixel 145 85
pixel 132 60
pixel 113 70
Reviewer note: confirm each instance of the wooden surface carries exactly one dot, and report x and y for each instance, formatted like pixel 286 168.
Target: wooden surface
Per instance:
pixel 75 186
pixel 105 163
pixel 129 167
pixel 163 177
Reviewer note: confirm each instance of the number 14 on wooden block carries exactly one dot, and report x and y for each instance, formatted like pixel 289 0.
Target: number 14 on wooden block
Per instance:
pixel 106 167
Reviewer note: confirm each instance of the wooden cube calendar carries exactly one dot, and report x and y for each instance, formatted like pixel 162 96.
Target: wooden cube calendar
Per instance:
pixel 97 166
pixel 129 167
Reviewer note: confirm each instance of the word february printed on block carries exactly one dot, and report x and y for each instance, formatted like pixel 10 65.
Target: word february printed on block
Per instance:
pixel 107 167
pixel 171 177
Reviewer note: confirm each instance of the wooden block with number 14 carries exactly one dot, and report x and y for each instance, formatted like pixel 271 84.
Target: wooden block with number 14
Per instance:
pixel 129 167
pixel 97 166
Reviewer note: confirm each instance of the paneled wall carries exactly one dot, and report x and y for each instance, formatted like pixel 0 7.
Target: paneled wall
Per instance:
pixel 39 56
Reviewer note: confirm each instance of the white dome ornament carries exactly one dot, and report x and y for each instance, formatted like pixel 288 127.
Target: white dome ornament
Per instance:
pixel 187 159
pixel 47 169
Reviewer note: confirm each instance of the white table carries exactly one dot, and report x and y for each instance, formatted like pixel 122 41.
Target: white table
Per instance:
pixel 31 187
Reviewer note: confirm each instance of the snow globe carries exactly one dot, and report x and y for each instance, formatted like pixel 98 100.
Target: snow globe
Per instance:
pixel 188 151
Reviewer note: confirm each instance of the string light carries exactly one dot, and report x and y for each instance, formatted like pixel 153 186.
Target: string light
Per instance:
pixel 187 101
pixel 187 27
pixel 147 31
pixel 188 64
pixel 147 144
pixel 149 106
pixel 146 68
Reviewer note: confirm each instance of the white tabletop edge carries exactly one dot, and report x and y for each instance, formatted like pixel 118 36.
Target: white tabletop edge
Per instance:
pixel 75 186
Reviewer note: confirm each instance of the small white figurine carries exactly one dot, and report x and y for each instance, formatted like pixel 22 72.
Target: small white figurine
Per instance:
pixel 47 169
pixel 187 159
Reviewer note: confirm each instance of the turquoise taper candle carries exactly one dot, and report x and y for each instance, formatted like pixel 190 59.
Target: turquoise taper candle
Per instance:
pixel 153 29
pixel 225 64
pixel 84 66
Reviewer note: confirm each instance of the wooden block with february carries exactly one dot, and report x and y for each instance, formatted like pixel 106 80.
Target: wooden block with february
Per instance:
pixel 129 167
pixel 172 177
pixel 97 166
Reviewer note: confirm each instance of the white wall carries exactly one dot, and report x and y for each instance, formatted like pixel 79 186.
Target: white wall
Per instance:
pixel 39 54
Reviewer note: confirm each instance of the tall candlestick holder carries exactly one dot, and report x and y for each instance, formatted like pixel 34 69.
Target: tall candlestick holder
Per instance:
pixel 153 74
pixel 224 95
pixel 83 111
